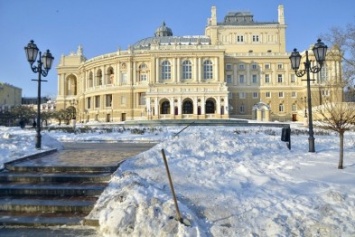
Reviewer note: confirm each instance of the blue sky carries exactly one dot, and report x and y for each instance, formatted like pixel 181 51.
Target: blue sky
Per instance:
pixel 106 25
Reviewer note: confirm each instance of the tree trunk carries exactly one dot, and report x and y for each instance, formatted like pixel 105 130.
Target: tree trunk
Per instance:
pixel 341 150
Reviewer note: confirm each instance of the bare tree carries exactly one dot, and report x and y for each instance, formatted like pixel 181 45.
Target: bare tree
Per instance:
pixel 338 117
pixel 344 40
pixel 335 114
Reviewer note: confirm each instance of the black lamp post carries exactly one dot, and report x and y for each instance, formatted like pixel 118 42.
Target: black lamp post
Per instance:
pixel 44 64
pixel 319 51
pixel 305 106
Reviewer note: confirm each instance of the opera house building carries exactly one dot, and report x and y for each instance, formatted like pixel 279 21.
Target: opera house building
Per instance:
pixel 238 69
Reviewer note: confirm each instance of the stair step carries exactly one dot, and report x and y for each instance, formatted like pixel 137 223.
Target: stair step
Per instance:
pixel 54 177
pixel 55 205
pixel 55 169
pixel 40 219
pixel 45 189
pixel 48 231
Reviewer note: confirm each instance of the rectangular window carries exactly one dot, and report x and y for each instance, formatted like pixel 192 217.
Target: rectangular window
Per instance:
pixel 254 79
pixel 241 95
pixel 267 66
pixel 325 92
pixel 323 76
pixel 242 109
pixel 97 101
pixel 279 66
pixel 268 94
pixel 240 38
pixel 241 67
pixel 141 98
pixel 166 70
pixel 281 94
pixel 207 70
pixel 108 100
pixel 267 78
pixel 241 79
pixel 88 102
pixel 229 79
pixel 293 94
pixel 255 95
pixel 254 66
pixel 279 78
pixel 255 38
pixel 143 77
pixel 293 78
pixel 229 67
pixel 281 108
pixel 294 107
pixel 186 70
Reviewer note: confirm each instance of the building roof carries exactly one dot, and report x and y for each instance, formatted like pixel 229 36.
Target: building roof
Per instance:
pixel 241 18
pixel 171 40
pixel 164 36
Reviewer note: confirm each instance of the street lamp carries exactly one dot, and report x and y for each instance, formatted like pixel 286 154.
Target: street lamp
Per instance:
pixel 44 64
pixel 305 106
pixel 319 51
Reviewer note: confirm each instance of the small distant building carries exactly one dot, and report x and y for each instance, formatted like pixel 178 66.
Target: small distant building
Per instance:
pixel 46 103
pixel 10 96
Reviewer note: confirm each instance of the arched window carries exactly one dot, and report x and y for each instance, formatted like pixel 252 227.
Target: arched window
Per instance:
pixel 110 75
pixel 165 107
pixel 166 70
pixel 186 70
pixel 143 73
pixel 99 78
pixel 71 85
pixel 187 107
pixel 210 108
pixel 207 70
pixel 90 80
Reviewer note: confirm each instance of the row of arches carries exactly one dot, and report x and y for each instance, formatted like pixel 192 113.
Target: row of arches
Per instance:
pixel 99 78
pixel 188 107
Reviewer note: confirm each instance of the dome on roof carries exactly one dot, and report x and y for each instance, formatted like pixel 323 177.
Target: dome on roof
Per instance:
pixel 163 30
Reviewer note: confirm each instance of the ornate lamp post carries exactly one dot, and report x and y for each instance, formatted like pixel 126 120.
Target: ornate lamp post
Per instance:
pixel 319 51
pixel 305 106
pixel 44 64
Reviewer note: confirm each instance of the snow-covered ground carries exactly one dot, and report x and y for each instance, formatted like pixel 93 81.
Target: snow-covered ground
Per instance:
pixel 229 181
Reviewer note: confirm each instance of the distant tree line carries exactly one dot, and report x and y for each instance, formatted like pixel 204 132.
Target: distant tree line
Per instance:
pixel 27 116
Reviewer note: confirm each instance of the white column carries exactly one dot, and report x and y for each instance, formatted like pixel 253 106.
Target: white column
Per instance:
pixel 134 76
pixel 199 62
pixel 218 109
pixel 156 106
pixel 172 106
pixel 157 71
pixel 217 71
pixel 177 68
pixel 203 105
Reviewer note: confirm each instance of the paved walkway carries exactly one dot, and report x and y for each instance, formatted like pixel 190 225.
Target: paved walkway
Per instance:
pixel 91 154
pixel 78 154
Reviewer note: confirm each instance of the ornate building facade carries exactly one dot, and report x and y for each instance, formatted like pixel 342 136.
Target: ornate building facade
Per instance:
pixel 238 69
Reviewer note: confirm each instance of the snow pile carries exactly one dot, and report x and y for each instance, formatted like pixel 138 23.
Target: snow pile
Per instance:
pixel 16 143
pixel 229 181
pixel 233 183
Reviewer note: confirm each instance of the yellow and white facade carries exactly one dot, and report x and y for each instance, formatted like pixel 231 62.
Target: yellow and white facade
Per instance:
pixel 238 69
